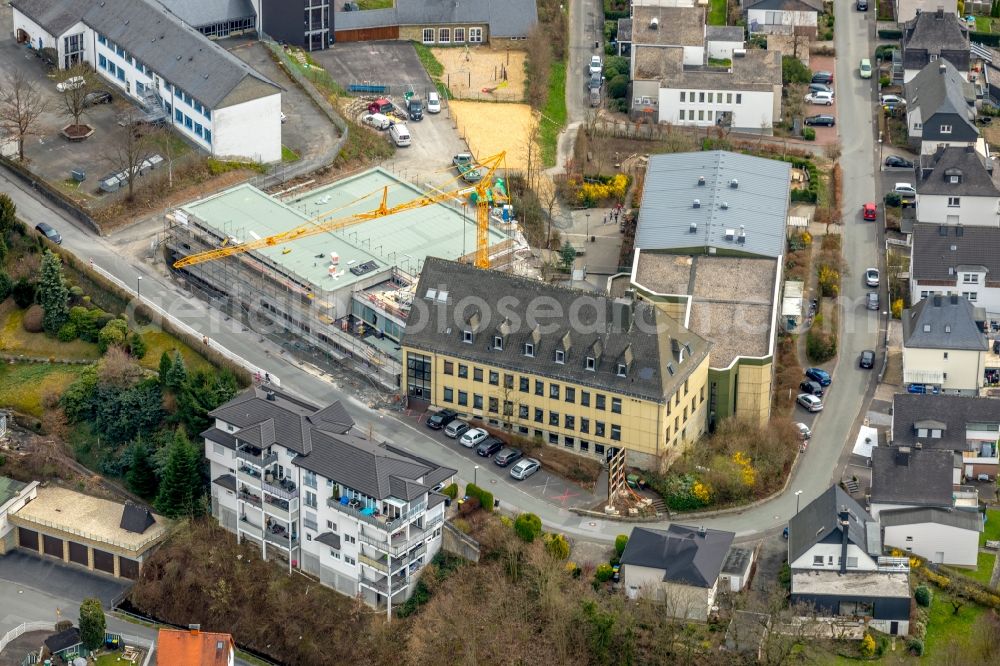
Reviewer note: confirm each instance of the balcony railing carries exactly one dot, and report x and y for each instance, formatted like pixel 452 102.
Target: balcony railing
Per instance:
pixel 260 461
pixel 280 539
pixel 378 521
pixel 247 497
pixel 379 563
pixel 248 527
pixel 399 584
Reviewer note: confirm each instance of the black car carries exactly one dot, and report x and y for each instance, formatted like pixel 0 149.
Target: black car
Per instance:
pixel 822 119
pixel 97 97
pixel 812 388
pixel 822 77
pixel 862 5
pixel 50 233
pixel 488 447
pixel 440 419
pixel 820 87
pixel 506 457
pixel 898 162
pixel 867 359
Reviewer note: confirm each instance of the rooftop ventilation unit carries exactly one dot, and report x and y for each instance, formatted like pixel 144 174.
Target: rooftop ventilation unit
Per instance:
pixel 730 234
pixel 696 204
pixel 947 328
pixel 701 180
pixel 654 23
pixel 693 229
pixel 366 267
pixel 724 205
pixel 734 183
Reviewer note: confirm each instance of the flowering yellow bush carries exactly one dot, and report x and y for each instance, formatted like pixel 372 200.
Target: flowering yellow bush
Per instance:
pixel 702 492
pixel 868 645
pixel 590 193
pixel 807 238
pixel 747 473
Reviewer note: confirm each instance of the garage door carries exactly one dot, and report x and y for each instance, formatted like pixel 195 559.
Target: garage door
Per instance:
pixel 78 553
pixel 53 545
pixel 104 561
pixel 128 568
pixel 27 538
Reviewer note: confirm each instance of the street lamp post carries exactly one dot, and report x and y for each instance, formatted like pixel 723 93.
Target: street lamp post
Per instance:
pixel 798 493
pixel 588 228
pixel 475 475
pixel 880 149
pixel 138 284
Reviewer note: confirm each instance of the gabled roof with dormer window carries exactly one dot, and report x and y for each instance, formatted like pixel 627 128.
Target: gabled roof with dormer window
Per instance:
pixel 952 411
pixel 944 322
pixel 956 171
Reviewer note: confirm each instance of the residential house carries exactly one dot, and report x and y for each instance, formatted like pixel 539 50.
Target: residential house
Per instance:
pixel 942 536
pixel 955 188
pixel 303 485
pixel 723 41
pixel 907 10
pixel 944 346
pixel 660 29
pixel 783 16
pixel 933 36
pixel 966 426
pixel 939 110
pixel 709 250
pixel 498 22
pixel 679 567
pixel 912 476
pixel 194 647
pixel 13 495
pixel 957 260
pixel 179 76
pixel 594 375
pixel 834 551
pixel 217 19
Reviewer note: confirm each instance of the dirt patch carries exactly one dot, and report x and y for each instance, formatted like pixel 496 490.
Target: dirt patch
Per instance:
pixel 991 133
pixel 491 128
pixel 483 73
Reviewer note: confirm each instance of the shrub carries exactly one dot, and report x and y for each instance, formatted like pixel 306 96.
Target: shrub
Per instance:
pixel 897 308
pixel 829 281
pixel 893 200
pixel 868 645
pixel 820 346
pixel 6 285
pixel 23 293
pixel 603 573
pixel 136 346
pixel 620 542
pixel 618 87
pixel 462 525
pixel 557 546
pixel 451 491
pixel 794 71
pixel 114 333
pixel 809 134
pixel 33 319
pixel 923 595
pixel 528 526
pixel 67 333
pixel 915 646
pixel 485 497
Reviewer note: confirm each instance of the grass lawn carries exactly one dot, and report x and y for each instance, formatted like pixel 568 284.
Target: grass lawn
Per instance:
pixel 289 155
pixel 991 530
pixel 430 63
pixel 983 24
pixel 158 341
pixel 717 12
pixel 374 4
pixel 984 568
pixel 16 340
pixel 553 114
pixel 944 624
pixel 114 659
pixel 23 385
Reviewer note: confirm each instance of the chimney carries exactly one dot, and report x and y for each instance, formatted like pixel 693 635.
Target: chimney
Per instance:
pixel 845 523
pixel 194 628
pixel 903 456
pixel 701 181
pixel 270 396
pixel 954 299
pixel 939 14
pixel 696 203
pixel 937 300
pixel 623 314
pixel 702 531
pixel 918 446
pixel 654 23
pixel 942 68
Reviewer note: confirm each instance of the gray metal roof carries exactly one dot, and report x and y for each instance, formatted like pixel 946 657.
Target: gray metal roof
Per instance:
pixel 757 205
pixel 329 539
pixel 960 518
pixel 506 18
pixel 687 555
pixel 943 322
pixel 819 519
pixel 961 161
pixel 452 298
pixel 907 475
pixel 787 5
pixel 936 249
pixel 953 411
pixel 724 33
pixel 199 13
pixel 437 474
pixel 939 88
pixel 175 50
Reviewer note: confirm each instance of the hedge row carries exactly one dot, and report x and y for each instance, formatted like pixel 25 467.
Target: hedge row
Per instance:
pixel 484 496
pixel 892 33
pixel 811 193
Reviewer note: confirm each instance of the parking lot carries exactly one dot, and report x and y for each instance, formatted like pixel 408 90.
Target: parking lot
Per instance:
pixel 434 139
pixel 825 135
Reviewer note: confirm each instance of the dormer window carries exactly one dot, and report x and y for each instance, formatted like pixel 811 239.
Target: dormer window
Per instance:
pixel 945 129
pixel 591 363
pixel 467 337
pixel 954 180
pixel 560 356
pixel 498 343
pixel 935 433
pixel 622 370
pixel 921 432
pixel 529 349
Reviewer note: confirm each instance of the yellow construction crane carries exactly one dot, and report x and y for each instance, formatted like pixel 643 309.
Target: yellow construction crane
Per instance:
pixel 319 225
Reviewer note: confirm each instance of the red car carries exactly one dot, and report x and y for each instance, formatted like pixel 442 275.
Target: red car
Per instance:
pixel 869 211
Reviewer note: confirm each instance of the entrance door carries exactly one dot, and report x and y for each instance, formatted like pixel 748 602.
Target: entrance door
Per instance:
pixel 939 558
pixel 894 628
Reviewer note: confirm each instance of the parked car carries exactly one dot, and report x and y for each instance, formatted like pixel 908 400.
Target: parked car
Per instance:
pixel 819 375
pixel 381 105
pixel 871 277
pixel 897 162
pixel 596 66
pixel 524 468
pixel 822 119
pixel 463 159
pixel 472 437
pixel 871 300
pixel 822 77
pixel 456 428
pixel 823 98
pixel 905 189
pixel 812 388
pixel 507 456
pixel 440 419
pixel 891 100
pixel 376 120
pixel 810 402
pixel 865 68
pixel 862 5
pixel 867 359
pixel 415 108
pixel 869 212
pixel 595 81
pixel 433 103
pixel 72 83
pixel 97 97
pixel 46 230
pixel 804 431
pixel 400 134
pixel 488 447
pixel 820 87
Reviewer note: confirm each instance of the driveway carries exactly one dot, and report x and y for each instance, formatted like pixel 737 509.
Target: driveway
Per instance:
pixel 828 135
pixel 21 572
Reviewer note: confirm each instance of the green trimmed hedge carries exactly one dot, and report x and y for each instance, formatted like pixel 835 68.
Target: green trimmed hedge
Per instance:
pixel 890 33
pixel 986 38
pixel 811 193
pixel 450 491
pixel 484 496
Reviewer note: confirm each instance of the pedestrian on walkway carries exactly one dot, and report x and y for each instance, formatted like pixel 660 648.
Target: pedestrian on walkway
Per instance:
pixel 605 219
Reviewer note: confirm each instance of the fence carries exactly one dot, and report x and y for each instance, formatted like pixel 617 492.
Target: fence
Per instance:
pixel 23 628
pixel 50 193
pixel 253 369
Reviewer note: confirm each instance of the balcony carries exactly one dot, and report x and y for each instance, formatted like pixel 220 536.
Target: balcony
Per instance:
pixel 260 461
pixel 280 538
pixel 245 496
pixel 399 584
pixel 377 520
pixel 245 525
pixel 966 497
pixel 381 563
pixel 249 475
pixel 279 508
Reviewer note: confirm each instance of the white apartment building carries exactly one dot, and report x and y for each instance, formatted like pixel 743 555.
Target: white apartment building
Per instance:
pixel 302 484
pixel 955 188
pixel 175 73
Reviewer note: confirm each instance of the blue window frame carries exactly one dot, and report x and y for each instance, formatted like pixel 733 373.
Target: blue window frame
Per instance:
pixel 102 62
pixel 208 113
pixel 208 136
pixel 102 39
pixel 188 123
pixel 178 116
pixel 121 73
pixel 197 129
pixel 166 105
pixel 112 68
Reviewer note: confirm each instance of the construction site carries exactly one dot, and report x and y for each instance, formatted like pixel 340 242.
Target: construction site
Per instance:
pixel 331 270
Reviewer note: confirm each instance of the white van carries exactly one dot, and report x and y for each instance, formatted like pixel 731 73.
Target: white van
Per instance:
pixel 400 134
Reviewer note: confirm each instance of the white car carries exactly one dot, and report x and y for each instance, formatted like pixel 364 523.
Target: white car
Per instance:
pixel 595 65
pixel 72 83
pixel 820 97
pixel 376 120
pixel 871 277
pixel 804 431
pixel 905 189
pixel 471 438
pixel 433 103
pixel 891 100
pixel 524 468
pixel 810 402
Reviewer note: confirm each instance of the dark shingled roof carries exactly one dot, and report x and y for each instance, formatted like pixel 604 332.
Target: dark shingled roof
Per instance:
pixel 943 322
pixel 611 332
pixel 907 475
pixel 939 88
pixel 227 481
pixel 935 33
pixel 963 519
pixel 818 519
pixel 973 246
pixel 685 554
pixel 787 5
pixel 63 640
pixel 952 412
pixel 226 439
pixel 329 539
pixel 962 161
pixel 136 518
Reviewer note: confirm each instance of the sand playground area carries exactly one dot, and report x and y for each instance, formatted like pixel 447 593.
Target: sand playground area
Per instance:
pixel 477 72
pixel 490 128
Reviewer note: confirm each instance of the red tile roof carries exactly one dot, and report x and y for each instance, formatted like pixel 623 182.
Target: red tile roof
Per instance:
pixel 192 647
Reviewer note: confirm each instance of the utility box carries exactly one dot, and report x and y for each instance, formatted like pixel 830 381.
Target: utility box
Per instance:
pixel 79 175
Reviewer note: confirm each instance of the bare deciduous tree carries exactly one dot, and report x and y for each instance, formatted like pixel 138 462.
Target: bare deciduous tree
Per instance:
pixel 134 144
pixel 21 105
pixel 74 97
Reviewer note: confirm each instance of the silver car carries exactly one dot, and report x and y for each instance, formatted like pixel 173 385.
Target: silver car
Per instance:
pixel 871 300
pixel 524 468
